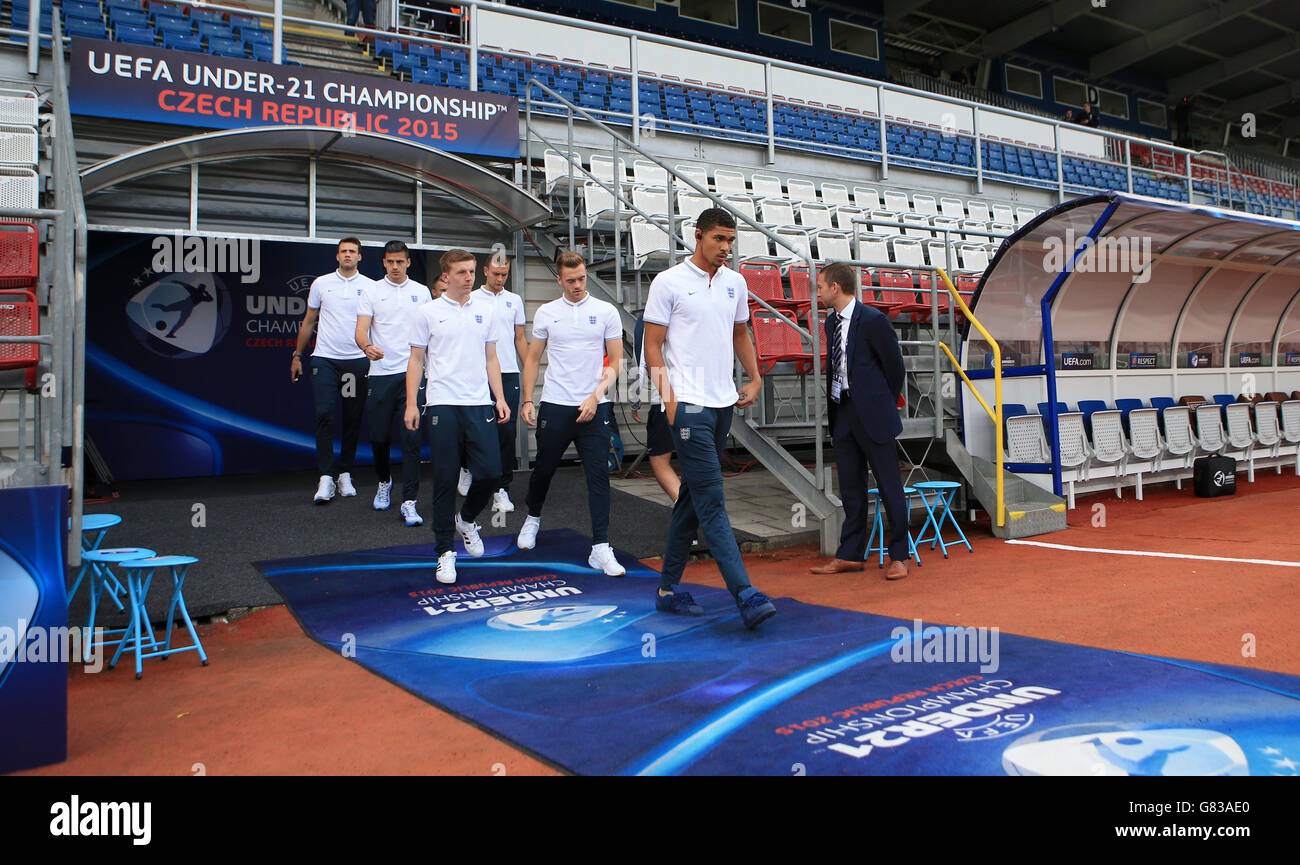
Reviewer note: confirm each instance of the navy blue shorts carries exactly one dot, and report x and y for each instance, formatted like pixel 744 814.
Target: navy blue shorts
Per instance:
pixel 658 437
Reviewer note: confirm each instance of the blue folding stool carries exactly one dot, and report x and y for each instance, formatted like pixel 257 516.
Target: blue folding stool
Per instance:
pixel 101 578
pixel 944 493
pixel 139 575
pixel 878 528
pixel 100 523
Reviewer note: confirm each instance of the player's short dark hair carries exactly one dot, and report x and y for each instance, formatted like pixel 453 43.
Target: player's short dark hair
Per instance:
pixel 454 256
pixel 841 274
pixel 569 259
pixel 351 240
pixel 713 218
pixel 396 247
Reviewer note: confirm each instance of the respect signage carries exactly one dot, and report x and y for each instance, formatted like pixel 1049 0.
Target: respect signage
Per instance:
pixel 112 79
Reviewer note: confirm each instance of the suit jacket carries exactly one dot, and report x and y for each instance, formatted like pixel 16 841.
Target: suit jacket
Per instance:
pixel 875 366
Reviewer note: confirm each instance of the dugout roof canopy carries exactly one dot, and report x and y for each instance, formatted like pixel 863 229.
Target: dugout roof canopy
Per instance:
pixel 496 196
pixel 1160 284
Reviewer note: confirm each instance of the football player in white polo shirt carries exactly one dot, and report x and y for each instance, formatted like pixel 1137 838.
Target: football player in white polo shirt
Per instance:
pixel 508 327
pixel 338 367
pixel 694 312
pixel 384 315
pixel 576 331
pixel 464 404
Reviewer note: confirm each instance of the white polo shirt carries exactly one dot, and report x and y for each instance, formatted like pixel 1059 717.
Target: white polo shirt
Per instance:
pixel 392 309
pixel 507 312
pixel 575 335
pixel 336 329
pixel 700 314
pixel 455 338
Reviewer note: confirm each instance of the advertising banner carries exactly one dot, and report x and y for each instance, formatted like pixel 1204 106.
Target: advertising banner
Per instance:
pixel 188 345
pixel 133 82
pixel 35 642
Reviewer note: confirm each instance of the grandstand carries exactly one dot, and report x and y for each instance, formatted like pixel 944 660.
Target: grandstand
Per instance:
pixel 1166 328
pixel 902 181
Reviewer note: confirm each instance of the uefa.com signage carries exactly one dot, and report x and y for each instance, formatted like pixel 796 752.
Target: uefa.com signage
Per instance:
pixel 131 82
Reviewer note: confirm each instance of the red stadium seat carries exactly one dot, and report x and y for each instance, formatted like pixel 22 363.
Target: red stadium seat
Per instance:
pixel 897 297
pixel 774 341
pixel 764 281
pixel 19 316
pixel 19 250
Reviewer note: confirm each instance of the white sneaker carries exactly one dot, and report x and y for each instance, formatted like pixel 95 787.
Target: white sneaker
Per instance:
pixel 447 567
pixel 345 485
pixel 501 502
pixel 602 559
pixel 381 495
pixel 528 534
pixel 325 491
pixel 462 486
pixel 469 534
pixel 408 511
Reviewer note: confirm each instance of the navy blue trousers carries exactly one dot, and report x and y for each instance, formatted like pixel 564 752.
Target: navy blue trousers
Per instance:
pixel 557 428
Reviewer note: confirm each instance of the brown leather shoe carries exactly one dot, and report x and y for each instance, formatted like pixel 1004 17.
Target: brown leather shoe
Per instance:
pixel 836 566
pixel 896 571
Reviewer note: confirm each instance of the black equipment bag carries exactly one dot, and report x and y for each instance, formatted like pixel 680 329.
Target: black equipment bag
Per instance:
pixel 1215 476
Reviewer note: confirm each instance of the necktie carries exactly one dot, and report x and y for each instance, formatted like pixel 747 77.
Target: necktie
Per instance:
pixel 835 348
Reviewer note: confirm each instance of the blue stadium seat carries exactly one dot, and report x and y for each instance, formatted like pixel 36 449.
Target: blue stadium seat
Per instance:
pixel 211 15
pixel 209 30
pixel 387 47
pixel 134 35
pixel 182 41
pixel 87 29
pixel 406 62
pixel 171 24
pixel 265 53
pixel 429 76
pixel 82 9
pixel 226 47
pixel 119 17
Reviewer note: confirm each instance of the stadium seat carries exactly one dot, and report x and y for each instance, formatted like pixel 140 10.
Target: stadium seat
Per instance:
pixel 1240 439
pixel 1209 427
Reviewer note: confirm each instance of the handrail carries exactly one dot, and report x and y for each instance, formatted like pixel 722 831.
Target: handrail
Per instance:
pixel 996 412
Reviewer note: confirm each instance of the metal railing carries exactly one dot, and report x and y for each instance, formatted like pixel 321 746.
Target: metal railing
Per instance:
pixel 994 413
pixel 817 478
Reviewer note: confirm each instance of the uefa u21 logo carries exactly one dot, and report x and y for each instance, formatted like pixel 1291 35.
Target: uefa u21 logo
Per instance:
pixel 1067 751
pixel 180 315
pixel 551 618
pixel 20 596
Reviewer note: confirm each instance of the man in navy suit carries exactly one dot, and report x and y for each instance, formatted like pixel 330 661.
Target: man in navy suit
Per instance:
pixel 864 377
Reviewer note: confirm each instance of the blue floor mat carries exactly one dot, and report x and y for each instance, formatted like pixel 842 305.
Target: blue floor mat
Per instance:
pixel 580 670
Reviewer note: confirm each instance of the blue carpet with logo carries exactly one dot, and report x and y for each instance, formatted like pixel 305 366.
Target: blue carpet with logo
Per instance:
pixel 580 670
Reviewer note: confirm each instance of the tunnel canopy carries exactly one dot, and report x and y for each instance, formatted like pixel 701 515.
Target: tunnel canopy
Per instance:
pixel 1141 284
